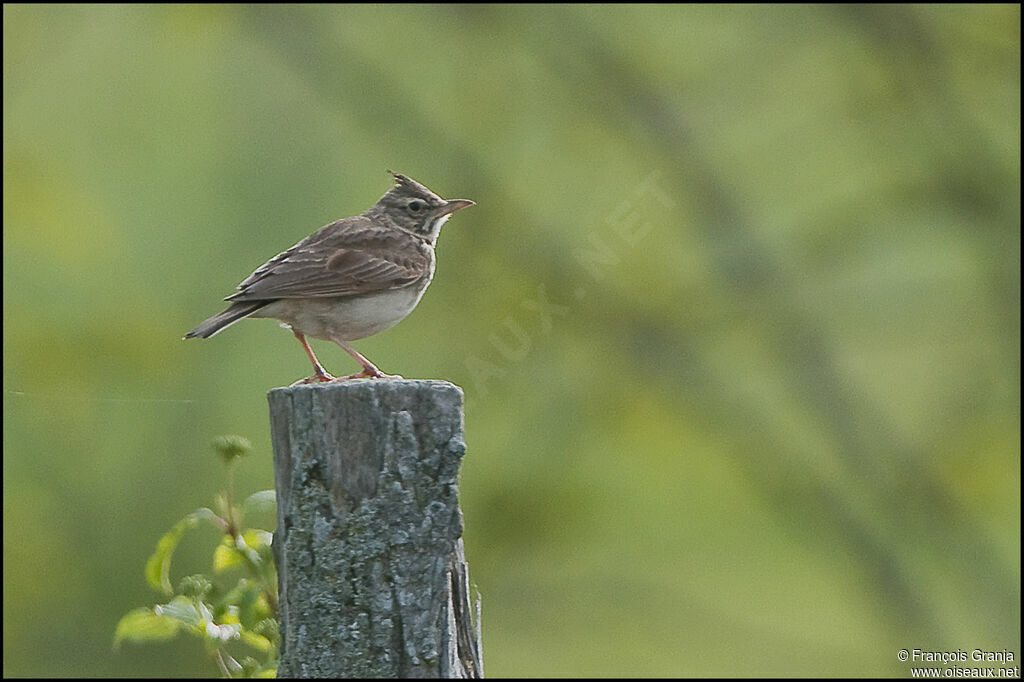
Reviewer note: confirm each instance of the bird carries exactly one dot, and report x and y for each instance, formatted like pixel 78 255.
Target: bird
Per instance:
pixel 350 279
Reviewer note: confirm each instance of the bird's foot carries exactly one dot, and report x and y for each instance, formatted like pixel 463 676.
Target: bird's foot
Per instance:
pixel 369 373
pixel 319 377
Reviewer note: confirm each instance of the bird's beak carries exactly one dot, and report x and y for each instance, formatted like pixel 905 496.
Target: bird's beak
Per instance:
pixel 454 205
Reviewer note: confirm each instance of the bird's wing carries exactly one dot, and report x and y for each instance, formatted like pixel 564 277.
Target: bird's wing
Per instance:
pixel 346 258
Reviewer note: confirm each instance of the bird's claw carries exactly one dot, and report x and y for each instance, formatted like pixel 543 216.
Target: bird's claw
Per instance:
pixel 369 374
pixel 315 379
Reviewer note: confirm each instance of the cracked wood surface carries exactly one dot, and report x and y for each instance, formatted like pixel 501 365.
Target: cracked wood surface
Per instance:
pixel 372 576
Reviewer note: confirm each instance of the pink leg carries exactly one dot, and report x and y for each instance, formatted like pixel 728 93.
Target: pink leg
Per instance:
pixel 319 374
pixel 369 369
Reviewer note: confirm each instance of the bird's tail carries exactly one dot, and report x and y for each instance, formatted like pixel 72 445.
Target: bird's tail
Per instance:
pixel 234 313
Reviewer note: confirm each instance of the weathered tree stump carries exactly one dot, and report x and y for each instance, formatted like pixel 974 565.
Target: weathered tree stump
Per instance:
pixel 372 577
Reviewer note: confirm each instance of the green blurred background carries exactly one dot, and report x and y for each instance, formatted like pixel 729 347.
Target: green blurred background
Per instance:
pixel 737 313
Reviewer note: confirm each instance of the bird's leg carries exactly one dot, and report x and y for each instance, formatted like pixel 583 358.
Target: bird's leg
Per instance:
pixel 319 373
pixel 369 369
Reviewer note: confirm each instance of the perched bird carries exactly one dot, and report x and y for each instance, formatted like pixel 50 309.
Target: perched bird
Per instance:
pixel 350 279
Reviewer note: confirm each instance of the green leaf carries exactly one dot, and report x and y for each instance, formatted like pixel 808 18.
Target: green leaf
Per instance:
pixel 208 514
pixel 257 538
pixel 264 500
pixel 252 608
pixel 226 556
pixel 243 593
pixel 181 609
pixel 258 642
pixel 254 545
pixel 144 625
pixel 158 568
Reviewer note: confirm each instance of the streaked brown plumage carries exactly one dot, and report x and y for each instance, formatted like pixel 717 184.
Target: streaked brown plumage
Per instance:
pixel 350 279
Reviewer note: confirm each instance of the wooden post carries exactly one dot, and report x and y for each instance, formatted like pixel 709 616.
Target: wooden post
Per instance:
pixel 372 577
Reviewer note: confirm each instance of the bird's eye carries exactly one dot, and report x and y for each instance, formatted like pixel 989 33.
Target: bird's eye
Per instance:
pixel 416 205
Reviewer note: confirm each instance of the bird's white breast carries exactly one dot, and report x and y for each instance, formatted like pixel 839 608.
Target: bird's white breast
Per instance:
pixel 345 318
